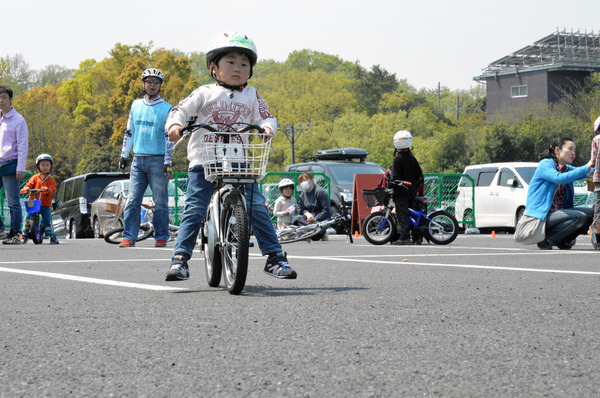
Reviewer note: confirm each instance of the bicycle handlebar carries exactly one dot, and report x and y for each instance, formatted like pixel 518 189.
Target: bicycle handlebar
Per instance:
pixel 224 129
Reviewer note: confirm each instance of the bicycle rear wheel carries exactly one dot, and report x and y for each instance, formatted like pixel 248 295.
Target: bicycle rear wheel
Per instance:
pixel 234 247
pixel 110 224
pixel 294 233
pixel 442 228
pixel 379 230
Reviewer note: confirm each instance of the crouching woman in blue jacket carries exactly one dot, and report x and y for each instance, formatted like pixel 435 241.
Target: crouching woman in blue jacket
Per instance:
pixel 551 195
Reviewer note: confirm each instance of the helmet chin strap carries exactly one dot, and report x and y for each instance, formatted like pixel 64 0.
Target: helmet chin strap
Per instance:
pixel 232 88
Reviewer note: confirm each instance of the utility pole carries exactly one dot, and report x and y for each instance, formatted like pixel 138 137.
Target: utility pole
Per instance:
pixel 293 133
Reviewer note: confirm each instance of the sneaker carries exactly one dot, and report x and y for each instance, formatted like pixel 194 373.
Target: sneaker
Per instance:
pixel 53 240
pixel 160 243
pixel 566 245
pixel 179 270
pixel 24 238
pixel 544 245
pixel 13 238
pixel 126 243
pixel 278 266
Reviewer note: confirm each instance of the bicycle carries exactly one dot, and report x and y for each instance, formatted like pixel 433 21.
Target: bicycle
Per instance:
pixel 115 235
pixel 295 233
pixel 36 227
pixel 235 158
pixel 381 227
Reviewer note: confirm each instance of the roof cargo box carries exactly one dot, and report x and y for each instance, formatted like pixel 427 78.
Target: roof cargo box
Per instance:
pixel 342 154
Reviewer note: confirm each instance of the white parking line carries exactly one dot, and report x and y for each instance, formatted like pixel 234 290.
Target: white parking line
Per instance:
pixel 89 280
pixel 487 267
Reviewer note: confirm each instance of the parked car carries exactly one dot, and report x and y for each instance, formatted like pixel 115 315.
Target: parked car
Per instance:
pixel 501 192
pixel 113 198
pixel 73 201
pixel 340 165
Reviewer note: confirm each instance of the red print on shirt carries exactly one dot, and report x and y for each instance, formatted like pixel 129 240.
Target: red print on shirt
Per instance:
pixel 263 108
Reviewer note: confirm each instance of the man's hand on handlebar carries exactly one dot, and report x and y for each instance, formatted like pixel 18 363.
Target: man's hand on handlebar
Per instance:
pixel 175 133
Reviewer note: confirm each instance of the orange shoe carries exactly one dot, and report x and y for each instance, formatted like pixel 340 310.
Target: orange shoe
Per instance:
pixel 160 243
pixel 126 243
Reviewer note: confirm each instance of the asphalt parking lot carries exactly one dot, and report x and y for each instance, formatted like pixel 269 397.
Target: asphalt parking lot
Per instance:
pixel 482 316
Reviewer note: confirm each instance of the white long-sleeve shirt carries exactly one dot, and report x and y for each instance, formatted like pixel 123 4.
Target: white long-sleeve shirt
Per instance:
pixel 215 104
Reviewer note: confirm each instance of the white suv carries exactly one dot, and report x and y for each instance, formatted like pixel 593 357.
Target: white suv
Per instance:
pixel 500 191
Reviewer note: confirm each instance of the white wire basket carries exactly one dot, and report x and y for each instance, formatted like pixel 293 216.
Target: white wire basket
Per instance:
pixel 236 156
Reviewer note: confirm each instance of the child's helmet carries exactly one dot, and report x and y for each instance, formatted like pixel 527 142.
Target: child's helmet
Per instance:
pixel 153 72
pixel 231 41
pixel 286 182
pixel 403 139
pixel 44 156
pixel 597 125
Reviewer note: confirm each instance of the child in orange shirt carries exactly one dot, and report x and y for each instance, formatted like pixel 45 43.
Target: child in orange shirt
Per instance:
pixel 44 182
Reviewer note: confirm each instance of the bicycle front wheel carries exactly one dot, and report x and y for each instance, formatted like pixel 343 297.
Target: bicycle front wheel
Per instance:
pixel 234 247
pixel 379 229
pixel 442 228
pixel 114 236
pixel 36 230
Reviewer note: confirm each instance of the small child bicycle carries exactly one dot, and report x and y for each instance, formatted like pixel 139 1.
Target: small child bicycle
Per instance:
pixel 381 227
pixel 235 158
pixel 36 227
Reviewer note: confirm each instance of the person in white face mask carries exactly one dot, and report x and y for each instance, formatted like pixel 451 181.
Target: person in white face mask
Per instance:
pixel 314 204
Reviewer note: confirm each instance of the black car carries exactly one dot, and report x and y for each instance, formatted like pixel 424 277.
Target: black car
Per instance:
pixel 340 165
pixel 73 202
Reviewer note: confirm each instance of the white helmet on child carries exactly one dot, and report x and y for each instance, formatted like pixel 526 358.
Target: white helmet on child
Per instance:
pixel 597 125
pixel 403 139
pixel 44 156
pixel 286 182
pixel 231 41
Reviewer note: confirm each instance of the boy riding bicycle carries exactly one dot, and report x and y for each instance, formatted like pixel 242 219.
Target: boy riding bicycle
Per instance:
pixel 47 184
pixel 230 59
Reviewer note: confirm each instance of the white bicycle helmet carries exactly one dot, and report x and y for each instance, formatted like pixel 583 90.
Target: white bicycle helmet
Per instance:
pixel 597 125
pixel 231 41
pixel 403 139
pixel 44 156
pixel 153 72
pixel 286 182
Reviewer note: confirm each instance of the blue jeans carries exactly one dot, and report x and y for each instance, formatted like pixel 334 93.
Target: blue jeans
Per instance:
pixel 11 192
pixel 147 170
pixel 562 226
pixel 199 192
pixel 46 220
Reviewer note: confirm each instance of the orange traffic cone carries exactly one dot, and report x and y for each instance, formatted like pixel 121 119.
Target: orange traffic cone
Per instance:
pixel 493 234
pixel 356 234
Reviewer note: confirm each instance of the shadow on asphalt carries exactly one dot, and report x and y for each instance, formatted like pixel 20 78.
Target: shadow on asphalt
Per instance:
pixel 268 291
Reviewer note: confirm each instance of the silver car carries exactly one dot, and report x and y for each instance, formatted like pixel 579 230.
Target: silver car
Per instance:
pixel 107 210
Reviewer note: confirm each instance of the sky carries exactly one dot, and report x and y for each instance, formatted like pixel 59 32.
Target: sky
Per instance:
pixel 421 41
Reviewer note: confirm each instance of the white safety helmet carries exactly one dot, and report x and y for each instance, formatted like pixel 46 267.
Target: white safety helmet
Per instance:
pixel 44 156
pixel 231 41
pixel 153 72
pixel 286 182
pixel 597 125
pixel 403 139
